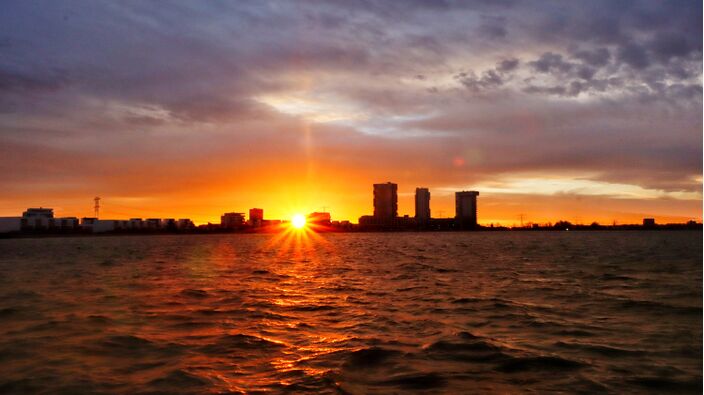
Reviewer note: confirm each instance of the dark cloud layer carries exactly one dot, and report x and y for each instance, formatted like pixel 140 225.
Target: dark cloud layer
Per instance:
pixel 608 89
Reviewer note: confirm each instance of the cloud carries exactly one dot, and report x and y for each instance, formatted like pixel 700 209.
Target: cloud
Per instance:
pixel 551 63
pixel 580 186
pixel 598 57
pixel 634 55
pixel 489 79
pixel 673 45
pixel 507 65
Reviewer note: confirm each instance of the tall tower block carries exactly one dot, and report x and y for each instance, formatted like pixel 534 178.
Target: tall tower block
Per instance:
pixel 466 209
pixel 385 201
pixel 422 205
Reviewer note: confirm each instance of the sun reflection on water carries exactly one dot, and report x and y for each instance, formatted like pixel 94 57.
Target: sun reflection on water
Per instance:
pixel 301 250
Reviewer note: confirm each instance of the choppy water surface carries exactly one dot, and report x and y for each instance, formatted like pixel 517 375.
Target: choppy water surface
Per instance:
pixel 353 313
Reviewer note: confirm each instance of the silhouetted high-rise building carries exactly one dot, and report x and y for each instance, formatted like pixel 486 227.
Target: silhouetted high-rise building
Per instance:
pixel 466 208
pixel 256 217
pixel 232 220
pixel 385 201
pixel 422 205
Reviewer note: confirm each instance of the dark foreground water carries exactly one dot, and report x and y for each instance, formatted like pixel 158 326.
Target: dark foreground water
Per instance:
pixel 505 312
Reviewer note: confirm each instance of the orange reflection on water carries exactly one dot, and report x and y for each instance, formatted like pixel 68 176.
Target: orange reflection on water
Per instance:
pixel 298 240
pixel 248 304
pixel 304 249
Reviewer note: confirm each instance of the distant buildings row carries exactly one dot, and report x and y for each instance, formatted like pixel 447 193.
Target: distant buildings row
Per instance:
pixel 42 219
pixel 234 221
pixel 237 221
pixel 386 211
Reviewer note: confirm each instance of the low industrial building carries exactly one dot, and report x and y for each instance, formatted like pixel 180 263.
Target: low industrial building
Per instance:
pixel 153 223
pixel 136 223
pixel 185 224
pixel 96 225
pixel 10 224
pixel 319 218
pixel 168 223
pixel 38 220
pixel 370 222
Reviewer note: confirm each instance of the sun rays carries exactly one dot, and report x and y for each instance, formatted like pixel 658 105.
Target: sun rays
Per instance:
pixel 299 238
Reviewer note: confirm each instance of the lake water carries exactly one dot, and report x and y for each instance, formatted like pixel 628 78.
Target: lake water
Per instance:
pixel 353 313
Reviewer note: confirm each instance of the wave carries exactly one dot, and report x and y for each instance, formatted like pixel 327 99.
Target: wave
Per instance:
pixel 575 333
pixel 179 380
pixel 99 319
pixel 540 363
pixel 465 347
pixel 130 346
pixel 369 357
pixel 608 351
pixel 454 347
pixel 228 344
pixel 670 385
pixel 194 293
pixel 416 381
pixel 190 325
pixel 8 312
pixel 321 307
pixel 652 306
pixel 126 342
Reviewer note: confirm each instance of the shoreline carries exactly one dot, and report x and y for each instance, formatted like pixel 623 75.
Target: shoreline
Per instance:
pixel 630 228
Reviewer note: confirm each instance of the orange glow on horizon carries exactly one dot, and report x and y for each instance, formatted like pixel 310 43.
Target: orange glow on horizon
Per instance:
pixel 283 189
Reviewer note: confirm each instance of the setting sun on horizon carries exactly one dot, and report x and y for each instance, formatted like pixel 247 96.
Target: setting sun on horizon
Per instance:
pixel 298 221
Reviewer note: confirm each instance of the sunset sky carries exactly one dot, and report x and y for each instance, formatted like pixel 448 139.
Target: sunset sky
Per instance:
pixel 576 110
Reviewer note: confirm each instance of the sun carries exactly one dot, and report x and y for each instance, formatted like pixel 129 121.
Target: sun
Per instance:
pixel 298 221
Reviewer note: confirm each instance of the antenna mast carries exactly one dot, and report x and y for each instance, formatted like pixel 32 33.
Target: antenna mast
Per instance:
pixel 97 206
